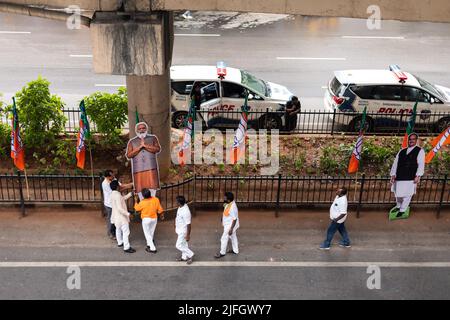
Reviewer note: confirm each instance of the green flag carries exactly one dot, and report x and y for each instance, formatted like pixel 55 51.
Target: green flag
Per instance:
pixel 137 116
pixel 410 126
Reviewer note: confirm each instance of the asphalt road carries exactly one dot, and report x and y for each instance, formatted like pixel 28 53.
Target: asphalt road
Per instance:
pixel 227 283
pixel 328 44
pixel 278 259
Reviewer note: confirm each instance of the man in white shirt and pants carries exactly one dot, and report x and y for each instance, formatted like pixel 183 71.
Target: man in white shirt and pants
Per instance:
pixel 106 190
pixel 230 222
pixel 338 215
pixel 120 217
pixel 183 230
pixel 408 167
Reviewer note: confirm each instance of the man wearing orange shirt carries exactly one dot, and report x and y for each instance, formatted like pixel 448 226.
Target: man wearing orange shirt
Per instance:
pixel 149 207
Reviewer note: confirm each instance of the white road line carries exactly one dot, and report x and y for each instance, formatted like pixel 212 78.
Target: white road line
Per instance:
pixel 324 87
pixel 281 264
pixel 109 85
pixel 373 37
pixel 310 58
pixel 81 56
pixel 197 35
pixel 15 32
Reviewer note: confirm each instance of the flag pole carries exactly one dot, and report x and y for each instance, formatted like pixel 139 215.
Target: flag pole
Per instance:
pixel 26 183
pixel 92 172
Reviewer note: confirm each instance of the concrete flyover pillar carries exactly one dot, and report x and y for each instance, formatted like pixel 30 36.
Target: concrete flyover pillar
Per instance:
pixel 150 95
pixel 139 45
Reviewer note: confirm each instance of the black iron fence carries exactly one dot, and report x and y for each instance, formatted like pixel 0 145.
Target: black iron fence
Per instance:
pixel 328 122
pixel 275 191
pixel 307 122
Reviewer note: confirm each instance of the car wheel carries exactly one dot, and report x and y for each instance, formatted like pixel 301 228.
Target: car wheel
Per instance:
pixel 355 124
pixel 442 124
pixel 178 119
pixel 270 121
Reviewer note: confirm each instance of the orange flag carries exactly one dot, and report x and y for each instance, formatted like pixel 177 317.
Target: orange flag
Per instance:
pixel 17 151
pixel 442 140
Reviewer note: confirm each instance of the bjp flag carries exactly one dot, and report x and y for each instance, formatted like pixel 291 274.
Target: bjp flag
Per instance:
pixel 83 133
pixel 17 151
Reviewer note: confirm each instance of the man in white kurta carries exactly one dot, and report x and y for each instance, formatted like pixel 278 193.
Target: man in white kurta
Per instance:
pixel 183 230
pixel 120 217
pixel 230 222
pixel 408 167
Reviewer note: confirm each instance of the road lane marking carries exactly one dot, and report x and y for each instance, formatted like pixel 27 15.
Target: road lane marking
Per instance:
pixel 15 32
pixel 373 37
pixel 109 85
pixel 81 56
pixel 324 87
pixel 197 35
pixel 310 58
pixel 278 264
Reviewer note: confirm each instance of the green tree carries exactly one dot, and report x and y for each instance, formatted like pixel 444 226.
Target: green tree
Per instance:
pixel 109 112
pixel 40 114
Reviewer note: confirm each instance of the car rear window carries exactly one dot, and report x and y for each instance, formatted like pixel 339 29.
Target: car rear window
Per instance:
pixel 182 87
pixel 336 86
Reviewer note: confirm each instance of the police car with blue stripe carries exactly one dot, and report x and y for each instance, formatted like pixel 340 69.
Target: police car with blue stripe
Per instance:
pixel 387 94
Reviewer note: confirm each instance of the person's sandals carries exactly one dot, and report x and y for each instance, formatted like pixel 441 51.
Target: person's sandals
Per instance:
pixel 131 250
pixel 231 251
pixel 189 261
pixel 219 255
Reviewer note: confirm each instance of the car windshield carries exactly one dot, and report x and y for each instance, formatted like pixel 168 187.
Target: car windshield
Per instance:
pixel 254 83
pixel 428 86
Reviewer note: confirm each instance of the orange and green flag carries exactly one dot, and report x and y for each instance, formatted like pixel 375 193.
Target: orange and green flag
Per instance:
pixel 410 126
pixel 353 166
pixel 238 148
pixel 83 134
pixel 188 134
pixel 17 150
pixel 442 140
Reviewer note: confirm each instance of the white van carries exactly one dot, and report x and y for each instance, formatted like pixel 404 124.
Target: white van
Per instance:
pixel 221 99
pixel 389 94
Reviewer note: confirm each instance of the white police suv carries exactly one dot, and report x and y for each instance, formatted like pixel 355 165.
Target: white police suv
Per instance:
pixel 222 98
pixel 388 94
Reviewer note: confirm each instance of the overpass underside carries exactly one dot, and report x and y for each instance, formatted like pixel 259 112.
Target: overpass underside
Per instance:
pixel 404 10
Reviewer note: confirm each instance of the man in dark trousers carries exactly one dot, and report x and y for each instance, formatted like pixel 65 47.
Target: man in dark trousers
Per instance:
pixel 293 107
pixel 338 215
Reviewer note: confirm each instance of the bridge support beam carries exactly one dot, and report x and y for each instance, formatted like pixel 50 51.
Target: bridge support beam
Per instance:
pixel 139 46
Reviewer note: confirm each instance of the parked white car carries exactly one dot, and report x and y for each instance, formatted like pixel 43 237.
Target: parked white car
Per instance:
pixel 386 92
pixel 221 99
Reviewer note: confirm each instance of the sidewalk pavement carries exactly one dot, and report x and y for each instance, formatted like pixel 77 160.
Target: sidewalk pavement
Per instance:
pixel 57 234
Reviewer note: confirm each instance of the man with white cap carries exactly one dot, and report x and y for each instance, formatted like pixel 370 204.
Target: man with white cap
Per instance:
pixel 142 150
pixel 408 167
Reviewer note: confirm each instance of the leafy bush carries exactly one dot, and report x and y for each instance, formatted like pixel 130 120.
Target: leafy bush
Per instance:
pixel 5 136
pixel 329 162
pixel 109 112
pixel 40 114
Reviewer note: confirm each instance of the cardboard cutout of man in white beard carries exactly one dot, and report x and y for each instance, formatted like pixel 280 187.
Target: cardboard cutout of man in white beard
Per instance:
pixel 142 151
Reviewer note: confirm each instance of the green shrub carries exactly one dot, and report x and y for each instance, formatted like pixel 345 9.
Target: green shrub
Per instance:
pixel 5 139
pixel 40 114
pixel 109 112
pixel 329 162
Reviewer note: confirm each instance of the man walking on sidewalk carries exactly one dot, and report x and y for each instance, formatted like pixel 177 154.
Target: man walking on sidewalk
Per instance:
pixel 121 217
pixel 230 222
pixel 338 215
pixel 183 230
